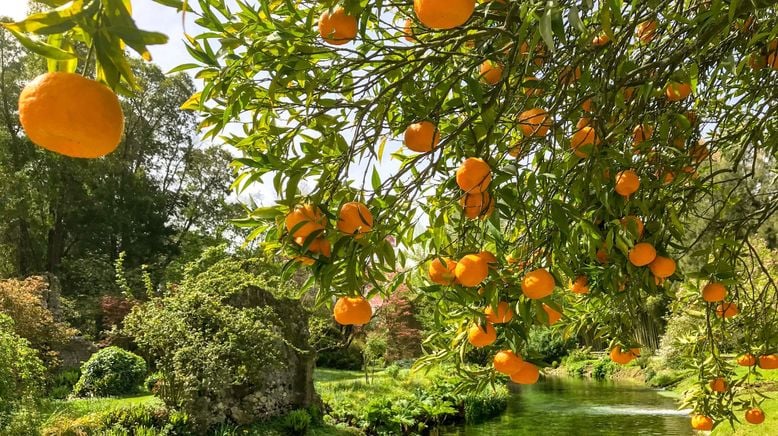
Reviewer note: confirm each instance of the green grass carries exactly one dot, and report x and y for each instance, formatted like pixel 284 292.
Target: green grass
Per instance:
pixel 768 428
pixel 72 409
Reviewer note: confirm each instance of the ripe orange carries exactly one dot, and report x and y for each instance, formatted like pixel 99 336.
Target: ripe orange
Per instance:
pixel 747 359
pixel 471 270
pixel 71 115
pixel 602 254
pixel 641 133
pixel 553 315
pixel 677 91
pixel 718 384
pixel 569 75
pixel 442 274
pixel 583 122
pixel 642 254
pixel 583 140
pixel 337 27
pixel 769 361
pixel 408 30
pixel 352 311
pixel 668 177
pixel 699 152
pixel 477 205
pixel 600 40
pixel 489 258
pixel 491 72
pixel 646 31
pixel 627 183
pixel 528 374
pixel 662 267
pixel 538 284
pixel 507 362
pixel 622 356
pixel 633 224
pixel 702 422
pixel 714 292
pixel 504 313
pixel 580 285
pixel 319 246
pixel 533 90
pixel 727 310
pixel 755 415
pixel 586 105
pixel 422 137
pixel 481 336
pixel 538 55
pixel 355 219
pixel 474 175
pixel 304 220
pixel 443 14
pixel 534 122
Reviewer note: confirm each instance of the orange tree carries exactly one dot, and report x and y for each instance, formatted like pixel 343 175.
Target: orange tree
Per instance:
pixel 547 145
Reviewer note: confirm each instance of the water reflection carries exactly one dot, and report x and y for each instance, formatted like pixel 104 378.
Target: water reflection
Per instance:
pixel 562 407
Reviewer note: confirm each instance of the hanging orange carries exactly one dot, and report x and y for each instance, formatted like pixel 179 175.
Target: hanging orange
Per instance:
pixel 422 137
pixel 580 285
pixel 304 220
pixel 507 362
pixel 702 422
pixel 352 311
pixel 337 27
pixel 504 313
pixel 714 292
pixel 538 284
pixel 534 122
pixel 474 175
pixel 642 254
pixel 627 183
pixel 471 270
pixel 442 274
pixel 481 336
pixel 355 219
pixel 528 374
pixel 443 14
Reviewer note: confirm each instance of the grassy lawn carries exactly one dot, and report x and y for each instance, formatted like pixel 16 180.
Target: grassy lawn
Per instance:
pixel 71 409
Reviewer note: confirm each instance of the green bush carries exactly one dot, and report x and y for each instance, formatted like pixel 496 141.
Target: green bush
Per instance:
pixel 216 337
pixel 548 343
pixel 665 378
pixel 62 383
pixel 21 376
pixel 296 422
pixel 110 371
pixel 136 420
pixel 603 368
pixel 577 368
pixel 346 358
pixel 481 406
pixel 153 382
pixel 392 371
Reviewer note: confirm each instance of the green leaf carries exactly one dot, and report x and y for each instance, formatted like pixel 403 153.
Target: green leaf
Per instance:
pixel 41 48
pixel 67 66
pixel 546 32
pixel 55 21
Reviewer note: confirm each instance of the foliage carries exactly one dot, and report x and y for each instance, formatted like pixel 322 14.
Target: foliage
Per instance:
pixel 21 374
pixel 348 358
pixel 110 371
pixel 603 368
pixel 398 317
pixel 25 301
pixel 548 344
pixel 297 422
pixel 481 406
pixel 216 337
pixel 133 420
pixel 60 384
pixel 375 349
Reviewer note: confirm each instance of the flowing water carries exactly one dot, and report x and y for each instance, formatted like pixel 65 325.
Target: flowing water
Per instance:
pixel 566 406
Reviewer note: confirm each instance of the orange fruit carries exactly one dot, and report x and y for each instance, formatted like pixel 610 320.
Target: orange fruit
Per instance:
pixel 538 55
pixel 304 220
pixel 355 219
pixel 583 122
pixel 352 311
pixel 528 374
pixel 641 133
pixel 677 91
pixel 443 14
pixel 586 105
pixel 491 72
pixel 769 361
pixel 471 270
pixel 580 285
pixel 504 313
pixel 516 150
pixel 631 223
pixel 584 137
pixel 714 292
pixel 569 75
pixel 726 310
pixel 747 359
pixel 319 246
pixel 642 254
pixel 422 137
pixel 718 384
pixel 477 205
pixel 662 267
pixel 534 122
pixel 602 254
pixel 442 274
pixel 622 356
pixel 305 260
pixel 474 175
pixel 71 115
pixel 646 31
pixel 533 90
pixel 481 336
pixel 756 61
pixel 668 177
pixel 702 422
pixel 553 315
pixel 489 258
pixel 755 415
pixel 537 284
pixel 408 30
pixel 600 40
pixel 627 183
pixel 507 362
pixel 337 27
pixel 699 152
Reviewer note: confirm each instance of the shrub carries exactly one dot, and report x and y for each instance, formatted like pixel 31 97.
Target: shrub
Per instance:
pixel 346 358
pixel 603 368
pixel 392 371
pixel 153 382
pixel 548 343
pixel 61 384
pixel 481 406
pixel 397 315
pixel 135 420
pixel 21 374
pixel 225 346
pixel 296 422
pixel 110 371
